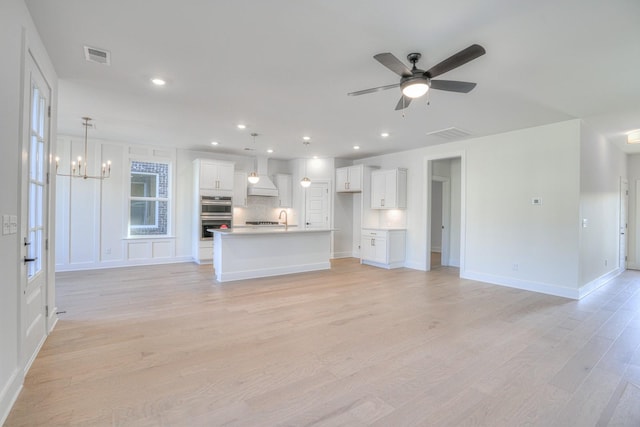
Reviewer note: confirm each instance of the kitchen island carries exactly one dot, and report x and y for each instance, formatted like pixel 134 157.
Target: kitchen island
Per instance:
pixel 247 253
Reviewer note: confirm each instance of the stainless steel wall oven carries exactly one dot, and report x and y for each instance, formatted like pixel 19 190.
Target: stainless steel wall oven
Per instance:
pixel 215 212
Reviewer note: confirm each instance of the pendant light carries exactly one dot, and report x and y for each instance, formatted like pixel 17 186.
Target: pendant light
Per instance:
pixel 305 182
pixel 253 176
pixel 80 169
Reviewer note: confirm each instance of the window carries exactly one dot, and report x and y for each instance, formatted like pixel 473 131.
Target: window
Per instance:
pixel 149 199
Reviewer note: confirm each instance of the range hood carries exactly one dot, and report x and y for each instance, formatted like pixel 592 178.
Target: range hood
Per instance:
pixel 264 187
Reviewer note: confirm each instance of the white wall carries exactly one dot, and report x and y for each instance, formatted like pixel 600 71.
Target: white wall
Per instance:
pixel 92 215
pixel 18 36
pixel 603 165
pixel 506 239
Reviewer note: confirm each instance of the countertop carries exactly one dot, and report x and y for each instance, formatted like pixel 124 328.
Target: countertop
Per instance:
pixel 268 230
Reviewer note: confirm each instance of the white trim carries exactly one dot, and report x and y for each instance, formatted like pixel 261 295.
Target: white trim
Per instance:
pixel 633 266
pixel 415 266
pixel 120 263
pixel 598 282
pixel 9 395
pixel 543 288
pixel 343 254
pixel 274 271
pixel 426 205
pixel 389 266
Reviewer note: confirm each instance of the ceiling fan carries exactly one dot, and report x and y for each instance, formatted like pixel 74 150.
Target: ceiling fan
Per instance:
pixel 415 82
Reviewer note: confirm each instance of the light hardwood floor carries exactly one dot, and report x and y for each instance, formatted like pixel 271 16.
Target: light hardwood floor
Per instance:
pixel 355 345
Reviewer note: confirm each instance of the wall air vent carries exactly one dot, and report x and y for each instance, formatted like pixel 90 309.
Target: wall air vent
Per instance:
pixel 100 56
pixel 450 134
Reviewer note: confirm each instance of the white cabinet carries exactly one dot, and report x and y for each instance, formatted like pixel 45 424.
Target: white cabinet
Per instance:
pixel 349 179
pixel 214 175
pixel 240 189
pixel 389 189
pixel 383 248
pixel 284 184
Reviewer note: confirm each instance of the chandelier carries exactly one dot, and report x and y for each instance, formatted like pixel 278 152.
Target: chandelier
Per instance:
pixel 79 169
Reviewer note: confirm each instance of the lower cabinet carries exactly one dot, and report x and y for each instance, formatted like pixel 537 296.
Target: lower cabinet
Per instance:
pixel 383 248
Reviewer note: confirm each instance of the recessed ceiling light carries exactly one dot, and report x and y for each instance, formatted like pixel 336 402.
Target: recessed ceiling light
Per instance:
pixel 241 126
pixel 269 151
pixel 315 157
pixel 158 81
pixel 356 147
pixel 633 137
pixel 384 134
pixel 306 138
pixel 214 143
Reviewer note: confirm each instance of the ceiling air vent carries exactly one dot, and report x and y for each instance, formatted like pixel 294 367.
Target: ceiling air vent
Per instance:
pixel 100 56
pixel 450 134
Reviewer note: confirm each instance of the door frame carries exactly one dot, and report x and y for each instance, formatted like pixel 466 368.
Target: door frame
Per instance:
pixel 427 179
pixel 623 228
pixel 30 62
pixel 446 218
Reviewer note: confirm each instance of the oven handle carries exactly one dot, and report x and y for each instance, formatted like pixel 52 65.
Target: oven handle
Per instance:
pixel 215 202
pixel 214 216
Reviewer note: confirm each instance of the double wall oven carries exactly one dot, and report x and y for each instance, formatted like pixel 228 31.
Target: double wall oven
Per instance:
pixel 215 212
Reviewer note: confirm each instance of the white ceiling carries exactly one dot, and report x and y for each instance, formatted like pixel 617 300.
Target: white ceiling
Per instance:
pixel 284 68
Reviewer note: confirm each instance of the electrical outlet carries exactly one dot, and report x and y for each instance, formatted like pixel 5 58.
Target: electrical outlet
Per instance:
pixel 107 251
pixel 536 201
pixel 514 267
pixel 605 262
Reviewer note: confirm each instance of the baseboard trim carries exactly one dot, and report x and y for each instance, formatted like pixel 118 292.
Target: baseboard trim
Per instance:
pixel 543 288
pixel 9 395
pixel 119 264
pixel 596 283
pixel 342 255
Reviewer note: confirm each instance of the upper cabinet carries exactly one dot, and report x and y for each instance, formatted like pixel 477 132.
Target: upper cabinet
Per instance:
pixel 214 175
pixel 240 189
pixel 389 189
pixel 349 179
pixel 284 184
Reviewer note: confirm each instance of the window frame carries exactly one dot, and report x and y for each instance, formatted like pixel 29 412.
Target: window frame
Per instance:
pixel 157 199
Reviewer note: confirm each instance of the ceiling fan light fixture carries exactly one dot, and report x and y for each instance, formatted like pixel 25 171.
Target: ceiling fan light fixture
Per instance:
pixel 415 87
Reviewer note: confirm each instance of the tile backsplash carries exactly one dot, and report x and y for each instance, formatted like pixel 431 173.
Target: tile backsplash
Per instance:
pixel 259 208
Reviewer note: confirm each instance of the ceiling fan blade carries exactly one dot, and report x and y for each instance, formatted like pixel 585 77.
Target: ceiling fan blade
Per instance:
pixel 403 102
pixel 456 60
pixel 394 64
pixel 374 89
pixel 452 86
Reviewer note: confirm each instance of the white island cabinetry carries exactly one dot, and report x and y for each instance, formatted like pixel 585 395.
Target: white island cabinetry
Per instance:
pixel 382 247
pixel 247 253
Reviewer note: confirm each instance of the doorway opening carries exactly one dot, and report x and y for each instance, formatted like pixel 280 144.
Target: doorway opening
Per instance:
pixel 444 213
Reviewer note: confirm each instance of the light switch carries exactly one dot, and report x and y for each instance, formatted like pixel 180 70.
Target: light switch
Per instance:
pixel 13 224
pixel 536 201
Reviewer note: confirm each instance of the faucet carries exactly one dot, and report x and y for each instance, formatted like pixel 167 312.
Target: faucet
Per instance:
pixel 286 222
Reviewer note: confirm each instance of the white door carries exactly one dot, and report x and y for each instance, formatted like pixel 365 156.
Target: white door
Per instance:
pixel 317 205
pixel 34 235
pixel 624 200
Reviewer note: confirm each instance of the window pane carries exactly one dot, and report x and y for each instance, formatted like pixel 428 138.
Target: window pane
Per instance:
pixel 143 213
pixel 144 185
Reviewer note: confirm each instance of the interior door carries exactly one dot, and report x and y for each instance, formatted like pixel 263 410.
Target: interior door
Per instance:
pixel 317 205
pixel 624 201
pixel 34 235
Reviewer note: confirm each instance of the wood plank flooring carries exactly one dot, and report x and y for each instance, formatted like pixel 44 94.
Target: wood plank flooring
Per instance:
pixel 355 345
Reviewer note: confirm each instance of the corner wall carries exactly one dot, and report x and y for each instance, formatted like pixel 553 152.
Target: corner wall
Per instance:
pixel 18 37
pixel 602 166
